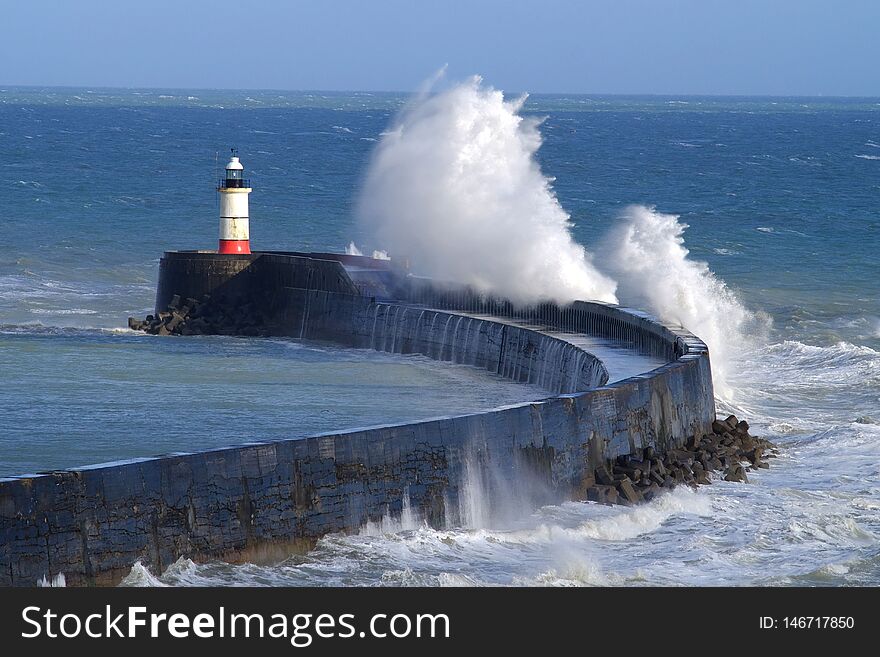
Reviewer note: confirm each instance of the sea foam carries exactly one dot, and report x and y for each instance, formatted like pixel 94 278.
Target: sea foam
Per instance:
pixel 455 187
pixel 645 252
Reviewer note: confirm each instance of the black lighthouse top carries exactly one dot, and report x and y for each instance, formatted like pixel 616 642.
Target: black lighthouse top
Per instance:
pixel 234 174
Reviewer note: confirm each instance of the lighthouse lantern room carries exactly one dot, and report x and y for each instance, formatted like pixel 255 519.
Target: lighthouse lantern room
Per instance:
pixel 234 190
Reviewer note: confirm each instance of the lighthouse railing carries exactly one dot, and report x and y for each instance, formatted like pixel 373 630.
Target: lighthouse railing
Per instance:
pixel 233 183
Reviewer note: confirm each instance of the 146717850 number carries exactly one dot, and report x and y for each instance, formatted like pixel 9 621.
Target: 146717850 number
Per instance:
pixel 819 622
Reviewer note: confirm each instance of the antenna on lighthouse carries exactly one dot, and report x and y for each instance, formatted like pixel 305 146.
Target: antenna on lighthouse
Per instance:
pixel 234 219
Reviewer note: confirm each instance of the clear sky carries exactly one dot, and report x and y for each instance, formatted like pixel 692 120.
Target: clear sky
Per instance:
pixel 776 47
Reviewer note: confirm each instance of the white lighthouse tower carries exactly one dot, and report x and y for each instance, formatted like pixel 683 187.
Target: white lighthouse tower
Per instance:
pixel 234 190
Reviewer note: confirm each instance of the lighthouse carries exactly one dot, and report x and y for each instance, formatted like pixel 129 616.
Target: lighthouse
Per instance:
pixel 234 190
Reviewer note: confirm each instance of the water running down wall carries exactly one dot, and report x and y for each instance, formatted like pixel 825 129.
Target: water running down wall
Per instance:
pixel 262 500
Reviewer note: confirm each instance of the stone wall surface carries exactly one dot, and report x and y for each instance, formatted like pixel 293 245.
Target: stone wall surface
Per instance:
pixel 261 501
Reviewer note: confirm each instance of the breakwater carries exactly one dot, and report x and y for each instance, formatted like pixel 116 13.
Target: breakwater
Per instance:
pixel 262 500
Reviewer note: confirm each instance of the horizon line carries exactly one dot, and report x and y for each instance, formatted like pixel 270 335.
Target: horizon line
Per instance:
pixel 4 87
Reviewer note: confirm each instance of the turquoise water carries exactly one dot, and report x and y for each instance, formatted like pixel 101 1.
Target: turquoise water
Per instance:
pixel 75 397
pixel 781 199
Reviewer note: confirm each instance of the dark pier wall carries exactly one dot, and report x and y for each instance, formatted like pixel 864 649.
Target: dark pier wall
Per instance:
pixel 260 501
pixel 513 352
pixel 233 278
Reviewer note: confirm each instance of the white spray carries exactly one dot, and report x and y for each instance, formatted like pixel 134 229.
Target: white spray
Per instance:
pixel 352 249
pixel 645 252
pixel 455 187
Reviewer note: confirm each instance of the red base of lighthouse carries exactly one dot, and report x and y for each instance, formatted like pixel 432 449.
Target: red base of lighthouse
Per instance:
pixel 235 246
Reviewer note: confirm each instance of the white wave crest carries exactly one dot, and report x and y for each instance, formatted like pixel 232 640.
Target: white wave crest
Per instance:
pixel 455 187
pixel 140 575
pixel 645 252
pixel 62 311
pixel 58 581
pixel 841 362
pixel 352 249
pixel 646 518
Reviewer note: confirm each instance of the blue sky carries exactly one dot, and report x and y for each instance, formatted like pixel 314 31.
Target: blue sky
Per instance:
pixel 774 47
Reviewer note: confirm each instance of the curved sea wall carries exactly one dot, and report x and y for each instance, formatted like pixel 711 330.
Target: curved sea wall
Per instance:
pixel 312 298
pixel 261 500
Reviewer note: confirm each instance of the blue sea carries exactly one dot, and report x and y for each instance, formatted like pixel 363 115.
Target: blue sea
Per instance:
pixel 781 198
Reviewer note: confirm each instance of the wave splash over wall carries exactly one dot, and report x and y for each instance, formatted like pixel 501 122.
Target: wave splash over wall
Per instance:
pixel 645 252
pixel 455 187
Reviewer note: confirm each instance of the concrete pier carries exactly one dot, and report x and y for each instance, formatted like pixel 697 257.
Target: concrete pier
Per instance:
pixel 261 500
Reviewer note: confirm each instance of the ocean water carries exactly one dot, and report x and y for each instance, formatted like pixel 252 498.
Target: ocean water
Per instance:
pixel 75 397
pixel 780 196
